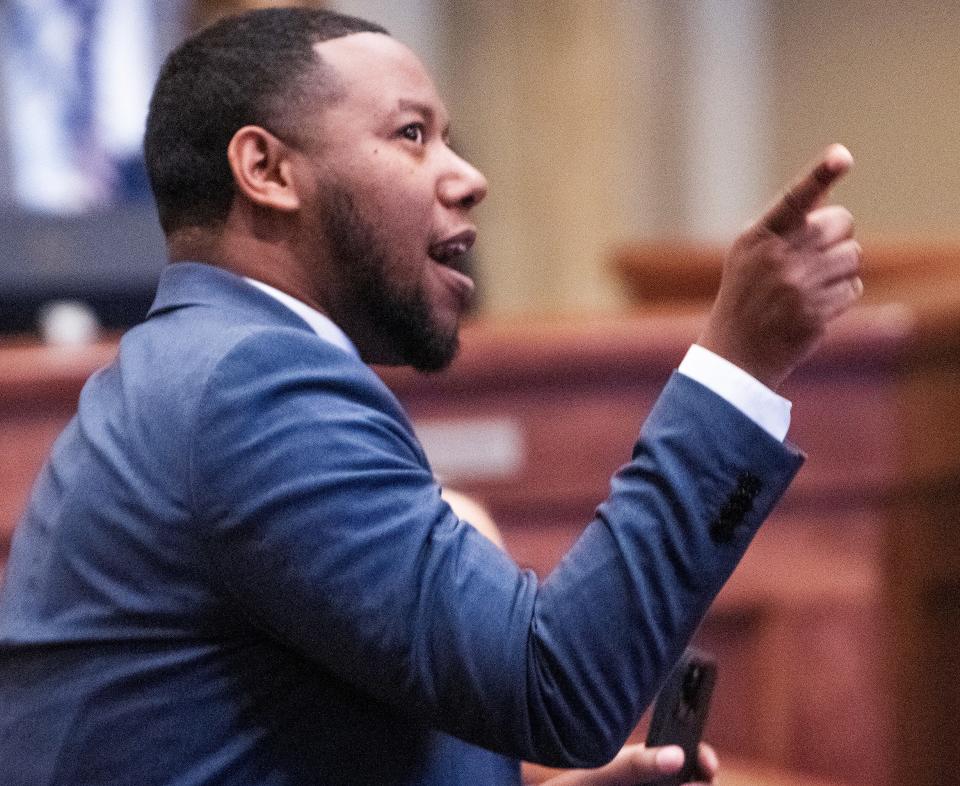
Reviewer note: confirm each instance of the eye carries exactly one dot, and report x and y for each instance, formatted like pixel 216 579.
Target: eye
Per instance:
pixel 414 132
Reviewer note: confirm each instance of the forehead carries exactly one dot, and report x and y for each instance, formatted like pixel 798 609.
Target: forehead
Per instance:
pixel 378 73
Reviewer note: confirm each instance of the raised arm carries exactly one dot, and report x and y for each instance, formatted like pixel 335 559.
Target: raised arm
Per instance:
pixel 327 528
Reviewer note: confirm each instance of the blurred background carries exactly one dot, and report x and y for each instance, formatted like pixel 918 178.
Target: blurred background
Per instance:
pixel 596 122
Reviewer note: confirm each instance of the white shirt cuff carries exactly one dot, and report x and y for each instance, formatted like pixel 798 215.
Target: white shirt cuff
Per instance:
pixel 754 399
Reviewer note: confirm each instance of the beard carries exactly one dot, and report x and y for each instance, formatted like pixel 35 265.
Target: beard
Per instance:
pixel 399 313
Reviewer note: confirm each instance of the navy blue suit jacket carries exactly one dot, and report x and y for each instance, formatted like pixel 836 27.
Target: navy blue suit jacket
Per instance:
pixel 236 568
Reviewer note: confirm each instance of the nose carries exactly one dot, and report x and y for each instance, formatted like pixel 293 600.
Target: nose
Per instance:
pixel 462 184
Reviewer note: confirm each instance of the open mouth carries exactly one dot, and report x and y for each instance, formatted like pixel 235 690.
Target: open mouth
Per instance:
pixel 452 251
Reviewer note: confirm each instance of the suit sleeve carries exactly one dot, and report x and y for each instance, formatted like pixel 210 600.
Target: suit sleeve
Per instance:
pixel 326 527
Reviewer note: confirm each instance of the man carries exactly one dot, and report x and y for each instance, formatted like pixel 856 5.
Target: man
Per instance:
pixel 237 568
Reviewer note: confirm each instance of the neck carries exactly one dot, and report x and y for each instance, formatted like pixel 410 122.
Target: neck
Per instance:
pixel 249 254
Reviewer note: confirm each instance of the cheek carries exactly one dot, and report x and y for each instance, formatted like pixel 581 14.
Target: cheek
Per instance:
pixel 395 202
pixel 404 222
pixel 400 196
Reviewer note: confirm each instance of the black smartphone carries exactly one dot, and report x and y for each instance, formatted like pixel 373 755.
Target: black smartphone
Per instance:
pixel 680 712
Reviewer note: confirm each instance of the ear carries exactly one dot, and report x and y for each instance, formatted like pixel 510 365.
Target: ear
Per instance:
pixel 262 169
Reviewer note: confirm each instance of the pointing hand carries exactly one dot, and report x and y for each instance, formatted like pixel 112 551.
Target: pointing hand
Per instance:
pixel 787 276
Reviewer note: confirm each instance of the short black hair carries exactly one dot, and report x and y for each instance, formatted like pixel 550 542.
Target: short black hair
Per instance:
pixel 248 69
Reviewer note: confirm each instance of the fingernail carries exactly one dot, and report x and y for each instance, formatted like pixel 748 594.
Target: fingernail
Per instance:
pixel 670 758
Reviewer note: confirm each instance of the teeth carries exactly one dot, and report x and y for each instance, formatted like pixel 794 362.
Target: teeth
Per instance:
pixel 447 251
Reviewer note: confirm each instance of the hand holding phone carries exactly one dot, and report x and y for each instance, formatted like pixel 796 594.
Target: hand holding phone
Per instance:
pixel 680 712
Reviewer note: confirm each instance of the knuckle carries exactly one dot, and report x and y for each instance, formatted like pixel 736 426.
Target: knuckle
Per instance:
pixel 815 227
pixel 857 255
pixel 856 288
pixel 823 176
pixel 836 213
pixel 795 281
pixel 844 222
pixel 793 202
pixel 789 197
pixel 848 260
pixel 637 765
pixel 778 258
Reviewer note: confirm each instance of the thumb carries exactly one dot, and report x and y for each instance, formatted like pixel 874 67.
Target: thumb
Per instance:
pixel 637 764
pixel 668 759
pixel 634 765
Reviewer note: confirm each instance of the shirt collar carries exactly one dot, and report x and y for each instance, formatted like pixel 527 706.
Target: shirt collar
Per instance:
pixel 321 324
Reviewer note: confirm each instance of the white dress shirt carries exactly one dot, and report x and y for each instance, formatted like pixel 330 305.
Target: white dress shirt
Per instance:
pixel 322 325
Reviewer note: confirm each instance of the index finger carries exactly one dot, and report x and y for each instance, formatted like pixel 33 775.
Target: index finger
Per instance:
pixel 790 211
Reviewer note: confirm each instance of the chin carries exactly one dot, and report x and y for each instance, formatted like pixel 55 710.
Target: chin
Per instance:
pixel 435 350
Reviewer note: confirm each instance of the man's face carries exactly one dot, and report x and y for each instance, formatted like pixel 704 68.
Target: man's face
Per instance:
pixel 389 206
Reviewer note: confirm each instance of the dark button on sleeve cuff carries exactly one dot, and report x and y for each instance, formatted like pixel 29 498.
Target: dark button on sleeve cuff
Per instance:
pixel 736 508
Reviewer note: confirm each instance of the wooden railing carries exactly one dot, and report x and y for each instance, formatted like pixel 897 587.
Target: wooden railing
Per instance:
pixel 39 387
